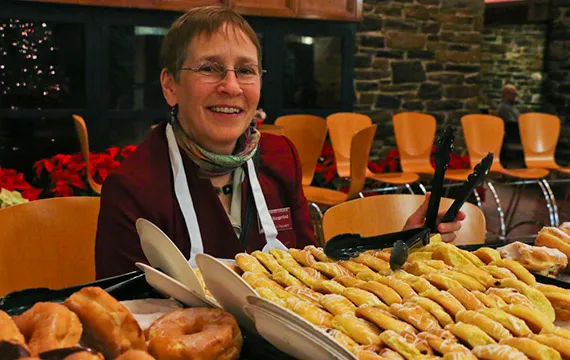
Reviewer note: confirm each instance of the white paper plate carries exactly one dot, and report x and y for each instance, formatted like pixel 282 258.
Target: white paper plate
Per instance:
pixel 170 287
pixel 162 253
pixel 298 322
pixel 292 339
pixel 227 287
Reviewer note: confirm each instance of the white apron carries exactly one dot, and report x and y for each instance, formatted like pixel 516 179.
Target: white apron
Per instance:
pixel 187 206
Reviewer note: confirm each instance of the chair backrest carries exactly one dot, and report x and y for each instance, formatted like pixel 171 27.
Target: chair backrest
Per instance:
pixel 483 134
pixel 539 137
pixel 382 214
pixel 83 136
pixel 342 127
pixel 308 133
pixel 48 243
pixel 359 152
pixel 415 135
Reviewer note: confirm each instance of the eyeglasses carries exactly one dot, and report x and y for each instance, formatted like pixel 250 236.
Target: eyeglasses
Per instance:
pixel 214 72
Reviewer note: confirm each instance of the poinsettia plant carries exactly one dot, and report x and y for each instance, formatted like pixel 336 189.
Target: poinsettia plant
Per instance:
pixel 12 180
pixel 66 175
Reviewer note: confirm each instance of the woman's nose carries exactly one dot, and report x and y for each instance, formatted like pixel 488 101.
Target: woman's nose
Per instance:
pixel 230 85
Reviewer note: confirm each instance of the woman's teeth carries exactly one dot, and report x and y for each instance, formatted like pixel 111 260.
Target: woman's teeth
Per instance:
pixel 225 110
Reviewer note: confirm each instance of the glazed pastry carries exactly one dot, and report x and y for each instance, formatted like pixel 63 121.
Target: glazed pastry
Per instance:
pixel 459 355
pixel 303 275
pixel 470 334
pixel 552 237
pixel 342 338
pixel 47 326
pixel 533 349
pixel 389 354
pixel 445 299
pixel 249 263
pixel 487 255
pixel 256 280
pixel 314 273
pixel 354 267
pixel 556 342
pixel 362 297
pixel 399 344
pixel 403 289
pixel 511 296
pixel 565 227
pixel 488 301
pixel 415 315
pixel 328 287
pixel 283 278
pixel 359 330
pixel 491 327
pixel 562 332
pixel 337 304
pixel 471 257
pixel 498 352
pixel 384 292
pixel 441 281
pixel 477 273
pixel 467 281
pixel 384 319
pixel 520 272
pixel 450 255
pixel 420 285
pixel 331 269
pixel 364 354
pixel 442 346
pixel 303 257
pixel 305 293
pixel 536 320
pixel 318 253
pixel 516 326
pixel 375 263
pixel 535 296
pixel 418 268
pixel 498 272
pixel 559 298
pixel 309 312
pixel 434 309
pixel 270 295
pixel 538 259
pixel 437 264
pixel 420 344
pixel 420 256
pixel 267 260
pixel 466 298
pixel 285 259
pixel 349 281
pixel 370 276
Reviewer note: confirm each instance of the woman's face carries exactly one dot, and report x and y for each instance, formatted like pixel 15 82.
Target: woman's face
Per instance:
pixel 215 114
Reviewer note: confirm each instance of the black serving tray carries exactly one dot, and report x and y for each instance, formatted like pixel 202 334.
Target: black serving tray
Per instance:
pixel 130 286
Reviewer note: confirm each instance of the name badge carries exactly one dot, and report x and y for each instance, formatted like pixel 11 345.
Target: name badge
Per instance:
pixel 281 218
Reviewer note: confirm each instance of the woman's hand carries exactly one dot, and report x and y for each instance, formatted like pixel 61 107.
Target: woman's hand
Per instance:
pixel 447 230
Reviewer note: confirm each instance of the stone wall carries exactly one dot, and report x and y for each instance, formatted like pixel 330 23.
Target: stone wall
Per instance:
pixel 513 54
pixel 417 55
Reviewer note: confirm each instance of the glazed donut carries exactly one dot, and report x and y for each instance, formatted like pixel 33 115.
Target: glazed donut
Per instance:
pixel 466 298
pixel 487 255
pixel 384 292
pixel 354 267
pixel 267 260
pixel 533 349
pixel 384 319
pixel 434 309
pixel 348 281
pixel 303 257
pixel 247 262
pixel 135 355
pixel 556 342
pixel 516 326
pixel 535 319
pixel 520 272
pixel 445 299
pixel 47 326
pixel 359 330
pixel 195 333
pixel 498 352
pixel 535 296
pixel 337 304
pixel 108 326
pixel 362 297
pixel 331 269
pixel 9 332
pixel 491 327
pixel 72 353
pixel 470 334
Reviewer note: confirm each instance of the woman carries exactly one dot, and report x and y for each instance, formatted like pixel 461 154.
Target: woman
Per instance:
pixel 207 178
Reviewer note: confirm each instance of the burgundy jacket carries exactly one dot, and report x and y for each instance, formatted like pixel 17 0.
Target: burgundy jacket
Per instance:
pixel 143 187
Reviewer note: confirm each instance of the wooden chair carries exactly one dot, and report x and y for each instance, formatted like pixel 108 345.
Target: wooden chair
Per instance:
pixel 83 136
pixel 484 134
pixel 383 214
pixel 341 128
pixel 308 133
pixel 359 150
pixel 539 137
pixel 270 129
pixel 415 134
pixel 48 243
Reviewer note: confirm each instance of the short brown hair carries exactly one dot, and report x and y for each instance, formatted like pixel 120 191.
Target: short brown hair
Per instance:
pixel 195 22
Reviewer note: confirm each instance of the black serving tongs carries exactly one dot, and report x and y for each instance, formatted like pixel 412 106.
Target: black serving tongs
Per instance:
pixel 345 246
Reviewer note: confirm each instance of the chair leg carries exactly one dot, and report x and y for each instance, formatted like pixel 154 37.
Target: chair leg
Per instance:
pixel 409 187
pixel 556 219
pixel 502 226
pixel 317 218
pixel 477 198
pixel 422 188
pixel 550 202
pixel 513 205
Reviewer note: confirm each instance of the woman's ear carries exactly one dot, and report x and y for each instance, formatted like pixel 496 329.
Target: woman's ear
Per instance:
pixel 168 83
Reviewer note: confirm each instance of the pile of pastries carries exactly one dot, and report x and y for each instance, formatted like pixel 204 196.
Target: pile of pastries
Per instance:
pixel 92 325
pixel 444 303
